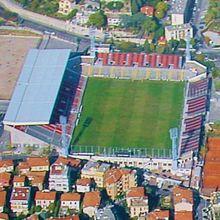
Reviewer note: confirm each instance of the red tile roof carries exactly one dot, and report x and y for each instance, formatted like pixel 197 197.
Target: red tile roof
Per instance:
pixel 180 194
pixel 75 217
pixel 185 215
pixel 2 198
pixel 6 163
pixel 20 193
pixel 70 197
pixel 4 216
pixel 45 195
pixel 68 161
pixel 211 177
pixel 38 161
pixel 158 215
pixel 83 182
pixel 136 192
pixel 5 179
pixel 19 179
pixel 147 10
pixel 91 199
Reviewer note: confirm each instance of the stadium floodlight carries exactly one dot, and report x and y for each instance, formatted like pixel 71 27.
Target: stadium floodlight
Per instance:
pixel 174 137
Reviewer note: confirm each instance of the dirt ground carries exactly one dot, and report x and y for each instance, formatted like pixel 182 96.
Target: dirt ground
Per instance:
pixel 13 50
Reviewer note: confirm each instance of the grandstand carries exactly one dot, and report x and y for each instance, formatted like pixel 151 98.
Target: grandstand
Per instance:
pixel 44 92
pixel 47 91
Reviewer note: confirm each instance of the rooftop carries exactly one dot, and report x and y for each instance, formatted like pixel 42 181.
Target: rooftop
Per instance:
pixel 37 88
pixel 178 6
pixel 70 197
pixel 92 165
pixel 181 194
pixel 6 163
pixel 46 195
pixel 136 192
pixel 83 182
pixel 139 202
pixel 38 161
pixel 2 198
pixel 91 199
pixel 20 193
pixel 5 179
pixel 178 27
pixel 158 215
pixel 68 161
pixel 19 179
pixel 4 216
pixel 183 215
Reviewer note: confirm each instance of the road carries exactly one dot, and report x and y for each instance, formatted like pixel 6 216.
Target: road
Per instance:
pixel 49 21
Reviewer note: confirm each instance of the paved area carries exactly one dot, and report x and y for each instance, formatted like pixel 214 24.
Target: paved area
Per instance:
pixel 13 50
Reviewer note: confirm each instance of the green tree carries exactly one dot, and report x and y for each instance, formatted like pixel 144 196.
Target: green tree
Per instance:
pixel 216 72
pixel 147 48
pixel 124 46
pixel 149 25
pixel 134 7
pixel 161 9
pixel 182 43
pixel 38 208
pixel 115 5
pixel 98 19
pixel 71 14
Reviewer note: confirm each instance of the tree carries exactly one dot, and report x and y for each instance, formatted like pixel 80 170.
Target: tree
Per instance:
pixel 216 72
pixel 124 46
pixel 134 7
pixel 71 14
pixel 147 48
pixel 115 5
pixel 149 25
pixel 182 43
pixel 98 19
pixel 161 9
pixel 38 208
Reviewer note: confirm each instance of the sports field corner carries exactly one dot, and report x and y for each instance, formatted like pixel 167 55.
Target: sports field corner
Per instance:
pixel 126 113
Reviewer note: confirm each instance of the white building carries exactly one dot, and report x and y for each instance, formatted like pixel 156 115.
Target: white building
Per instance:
pixel 70 201
pixel 113 19
pixel 178 32
pixel 83 185
pixel 20 199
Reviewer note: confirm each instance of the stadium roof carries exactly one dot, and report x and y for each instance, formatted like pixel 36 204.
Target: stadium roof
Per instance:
pixel 37 88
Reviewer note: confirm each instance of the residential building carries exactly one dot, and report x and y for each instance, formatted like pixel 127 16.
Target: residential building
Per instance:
pixel 96 171
pixel 148 10
pixel 82 17
pixel 45 198
pixel 83 185
pixel 4 216
pixel 182 199
pixel 113 19
pixel 180 12
pixel 6 166
pixel 158 215
pixel 23 167
pixel 2 200
pixel 5 179
pixel 178 32
pixel 183 203
pixel 102 48
pixel 138 207
pixel 61 173
pixel 19 181
pixel 106 213
pixel 66 6
pixel 20 199
pixel 183 215
pixel 134 193
pixel 119 180
pixel 38 164
pixel 91 203
pixel 37 179
pixel 69 201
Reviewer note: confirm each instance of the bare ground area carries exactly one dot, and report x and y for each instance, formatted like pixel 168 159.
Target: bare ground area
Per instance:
pixel 13 50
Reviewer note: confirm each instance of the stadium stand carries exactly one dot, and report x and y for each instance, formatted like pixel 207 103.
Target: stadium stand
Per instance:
pixel 193 116
pixel 63 77
pixel 141 60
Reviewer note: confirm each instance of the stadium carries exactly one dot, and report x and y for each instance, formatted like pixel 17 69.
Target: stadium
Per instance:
pixel 114 105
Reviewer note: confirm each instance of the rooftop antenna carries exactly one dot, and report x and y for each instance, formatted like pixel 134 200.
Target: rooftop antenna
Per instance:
pixel 188 55
pixel 63 122
pixel 92 41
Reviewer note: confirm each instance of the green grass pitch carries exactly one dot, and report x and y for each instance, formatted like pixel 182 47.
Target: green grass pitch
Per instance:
pixel 127 113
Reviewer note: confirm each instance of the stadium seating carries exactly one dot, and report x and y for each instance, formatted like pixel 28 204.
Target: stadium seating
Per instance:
pixel 140 60
pixel 193 116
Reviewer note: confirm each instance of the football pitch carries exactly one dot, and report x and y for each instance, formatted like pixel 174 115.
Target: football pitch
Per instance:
pixel 125 113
